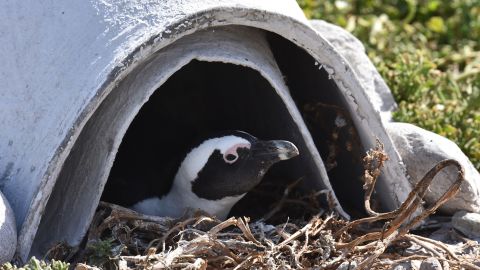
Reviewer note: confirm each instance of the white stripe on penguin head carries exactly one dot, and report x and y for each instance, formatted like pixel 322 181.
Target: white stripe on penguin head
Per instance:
pixel 198 157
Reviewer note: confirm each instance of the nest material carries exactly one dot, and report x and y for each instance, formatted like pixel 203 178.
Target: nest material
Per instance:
pixel 199 241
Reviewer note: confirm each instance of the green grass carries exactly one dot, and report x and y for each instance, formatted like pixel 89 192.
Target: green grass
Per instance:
pixel 35 264
pixel 429 54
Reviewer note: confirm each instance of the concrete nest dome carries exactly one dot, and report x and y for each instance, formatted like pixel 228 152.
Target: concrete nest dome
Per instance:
pixel 147 76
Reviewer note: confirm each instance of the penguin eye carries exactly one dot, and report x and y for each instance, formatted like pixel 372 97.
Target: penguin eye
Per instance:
pixel 231 155
pixel 230 158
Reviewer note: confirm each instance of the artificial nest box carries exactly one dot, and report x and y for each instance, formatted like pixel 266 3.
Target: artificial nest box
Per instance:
pixel 147 77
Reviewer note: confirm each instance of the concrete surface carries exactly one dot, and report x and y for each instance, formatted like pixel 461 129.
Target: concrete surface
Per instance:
pixel 8 231
pixel 467 223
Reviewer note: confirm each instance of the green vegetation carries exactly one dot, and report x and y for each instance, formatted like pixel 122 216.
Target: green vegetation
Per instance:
pixel 35 264
pixel 103 253
pixel 428 51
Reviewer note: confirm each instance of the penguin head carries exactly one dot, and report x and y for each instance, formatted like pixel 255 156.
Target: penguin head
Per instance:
pixel 230 164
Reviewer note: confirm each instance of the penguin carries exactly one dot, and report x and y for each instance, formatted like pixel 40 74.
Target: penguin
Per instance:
pixel 216 173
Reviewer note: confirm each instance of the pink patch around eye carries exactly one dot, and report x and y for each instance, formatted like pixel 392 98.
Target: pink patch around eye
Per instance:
pixel 233 151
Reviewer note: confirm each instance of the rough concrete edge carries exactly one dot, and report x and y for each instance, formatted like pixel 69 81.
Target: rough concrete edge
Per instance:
pixel 374 86
pixel 354 52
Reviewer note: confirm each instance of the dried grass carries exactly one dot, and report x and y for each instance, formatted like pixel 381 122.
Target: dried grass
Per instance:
pixel 199 241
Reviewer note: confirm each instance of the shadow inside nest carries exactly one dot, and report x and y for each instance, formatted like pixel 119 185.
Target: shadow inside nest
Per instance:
pixel 277 202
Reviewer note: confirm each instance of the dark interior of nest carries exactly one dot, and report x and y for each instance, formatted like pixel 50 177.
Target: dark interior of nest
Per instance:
pixel 206 97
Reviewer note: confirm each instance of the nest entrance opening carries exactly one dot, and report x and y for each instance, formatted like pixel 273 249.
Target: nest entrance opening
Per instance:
pixel 204 97
pixel 200 99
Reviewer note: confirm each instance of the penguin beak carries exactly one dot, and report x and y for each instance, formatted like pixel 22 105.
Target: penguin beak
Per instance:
pixel 274 151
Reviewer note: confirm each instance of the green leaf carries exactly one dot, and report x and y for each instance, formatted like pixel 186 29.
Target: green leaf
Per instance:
pixel 436 24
